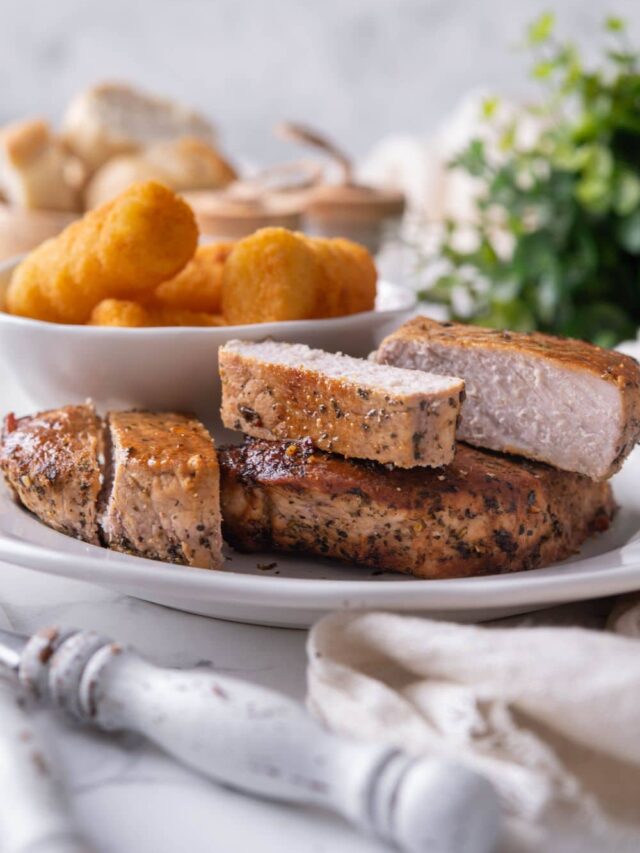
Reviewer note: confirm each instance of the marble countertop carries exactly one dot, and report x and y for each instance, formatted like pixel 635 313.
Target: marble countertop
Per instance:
pixel 125 794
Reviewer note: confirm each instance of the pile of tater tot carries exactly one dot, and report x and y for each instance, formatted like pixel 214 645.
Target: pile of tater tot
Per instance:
pixel 136 262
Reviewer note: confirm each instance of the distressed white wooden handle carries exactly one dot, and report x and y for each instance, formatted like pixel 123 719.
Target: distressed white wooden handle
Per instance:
pixel 260 741
pixel 34 815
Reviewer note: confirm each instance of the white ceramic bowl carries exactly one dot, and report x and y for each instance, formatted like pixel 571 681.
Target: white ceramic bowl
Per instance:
pixel 161 368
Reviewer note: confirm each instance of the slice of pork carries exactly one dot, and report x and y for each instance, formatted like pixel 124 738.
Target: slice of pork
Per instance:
pixel 561 401
pixel 163 496
pixel 53 462
pixel 346 405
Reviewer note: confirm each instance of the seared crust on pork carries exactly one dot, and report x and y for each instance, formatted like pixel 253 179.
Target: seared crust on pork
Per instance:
pixel 156 494
pixel 557 400
pixel 163 501
pixel 53 462
pixel 482 514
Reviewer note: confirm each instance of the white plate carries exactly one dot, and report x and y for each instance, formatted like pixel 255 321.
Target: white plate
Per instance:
pixel 296 590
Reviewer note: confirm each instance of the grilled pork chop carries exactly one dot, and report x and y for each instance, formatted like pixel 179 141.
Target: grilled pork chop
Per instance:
pixel 53 463
pixel 163 499
pixel 345 405
pixel 156 495
pixel 482 514
pixel 561 401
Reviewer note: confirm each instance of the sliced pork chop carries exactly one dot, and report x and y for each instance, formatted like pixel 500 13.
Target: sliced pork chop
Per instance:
pixel 482 514
pixel 163 498
pixel 561 401
pixel 53 463
pixel 345 405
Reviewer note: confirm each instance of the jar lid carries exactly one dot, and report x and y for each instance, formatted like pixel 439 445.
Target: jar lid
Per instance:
pixel 353 202
pixel 345 201
pixel 235 214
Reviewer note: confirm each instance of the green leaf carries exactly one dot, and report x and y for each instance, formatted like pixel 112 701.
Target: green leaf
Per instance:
pixel 441 289
pixel 572 68
pixel 623 57
pixel 601 322
pixel 628 233
pixel 626 195
pixel 547 297
pixel 599 163
pixel 543 70
pixel 614 24
pixel 489 107
pixel 512 315
pixel 540 30
pixel 507 139
pixel 594 193
pixel 570 157
pixel 473 158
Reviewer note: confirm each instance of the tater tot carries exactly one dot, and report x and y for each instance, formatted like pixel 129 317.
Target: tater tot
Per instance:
pixel 330 299
pixel 163 316
pixel 29 300
pixel 148 236
pixel 119 312
pixel 123 249
pixel 269 276
pixel 360 276
pixel 129 314
pixel 198 287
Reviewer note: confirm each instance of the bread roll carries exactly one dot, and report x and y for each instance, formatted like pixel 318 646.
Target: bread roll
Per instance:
pixel 35 170
pixel 113 118
pixel 182 164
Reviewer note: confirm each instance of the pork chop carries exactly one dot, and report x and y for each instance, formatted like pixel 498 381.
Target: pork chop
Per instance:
pixel 162 500
pixel 482 514
pixel 557 400
pixel 53 463
pixel 346 405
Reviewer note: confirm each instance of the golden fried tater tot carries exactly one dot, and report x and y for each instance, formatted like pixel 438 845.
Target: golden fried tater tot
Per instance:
pixel 162 316
pixel 360 276
pixel 269 276
pixel 148 236
pixel 126 313
pixel 29 300
pixel 360 293
pixel 123 249
pixel 198 287
pixel 330 300
pixel 119 312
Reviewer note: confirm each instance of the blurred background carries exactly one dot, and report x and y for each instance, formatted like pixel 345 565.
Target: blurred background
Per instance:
pixel 494 145
pixel 359 69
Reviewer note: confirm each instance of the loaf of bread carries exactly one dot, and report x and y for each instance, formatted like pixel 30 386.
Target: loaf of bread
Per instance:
pixel 114 118
pixel 35 169
pixel 188 163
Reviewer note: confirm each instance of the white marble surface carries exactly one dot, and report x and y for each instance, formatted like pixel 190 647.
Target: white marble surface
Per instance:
pixel 125 794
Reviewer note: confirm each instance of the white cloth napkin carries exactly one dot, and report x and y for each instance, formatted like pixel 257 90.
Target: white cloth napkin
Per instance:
pixel 551 715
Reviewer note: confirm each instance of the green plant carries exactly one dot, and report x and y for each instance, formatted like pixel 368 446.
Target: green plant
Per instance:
pixel 567 203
